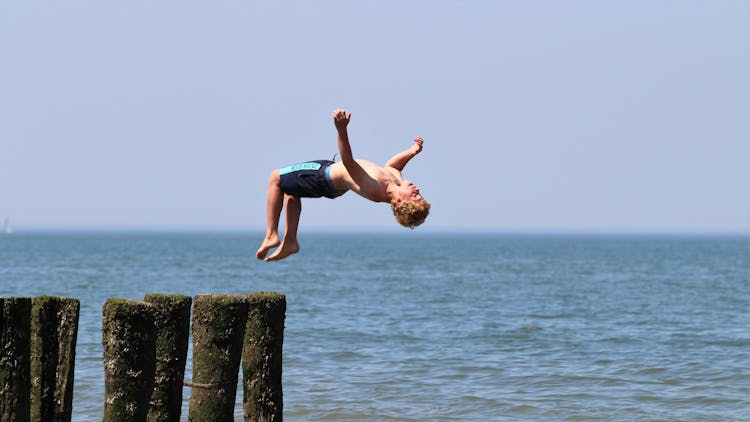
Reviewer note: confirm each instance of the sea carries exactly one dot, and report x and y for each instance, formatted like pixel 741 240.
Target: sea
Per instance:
pixel 442 326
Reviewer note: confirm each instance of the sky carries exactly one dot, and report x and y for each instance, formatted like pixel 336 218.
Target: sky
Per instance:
pixel 563 116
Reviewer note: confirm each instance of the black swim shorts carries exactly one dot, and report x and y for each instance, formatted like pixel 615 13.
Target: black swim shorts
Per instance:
pixel 310 179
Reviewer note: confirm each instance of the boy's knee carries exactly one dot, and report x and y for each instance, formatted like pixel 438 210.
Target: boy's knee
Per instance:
pixel 274 177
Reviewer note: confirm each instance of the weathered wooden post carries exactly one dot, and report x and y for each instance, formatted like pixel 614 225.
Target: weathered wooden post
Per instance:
pixel 129 340
pixel 15 360
pixel 261 357
pixel 172 333
pixel 54 331
pixel 218 329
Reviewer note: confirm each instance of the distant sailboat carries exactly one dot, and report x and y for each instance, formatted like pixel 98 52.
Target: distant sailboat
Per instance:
pixel 6 226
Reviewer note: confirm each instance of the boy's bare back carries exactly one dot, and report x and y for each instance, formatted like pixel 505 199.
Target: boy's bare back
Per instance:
pixel 379 177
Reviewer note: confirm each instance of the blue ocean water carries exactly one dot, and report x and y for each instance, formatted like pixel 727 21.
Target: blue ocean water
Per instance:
pixel 414 327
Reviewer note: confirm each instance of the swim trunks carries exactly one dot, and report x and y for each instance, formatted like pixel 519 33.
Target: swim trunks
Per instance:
pixel 310 179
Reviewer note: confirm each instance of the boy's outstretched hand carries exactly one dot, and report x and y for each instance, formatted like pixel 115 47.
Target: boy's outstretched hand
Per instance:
pixel 417 147
pixel 341 118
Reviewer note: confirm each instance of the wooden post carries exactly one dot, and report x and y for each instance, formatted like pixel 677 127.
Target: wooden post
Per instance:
pixel 261 357
pixel 54 330
pixel 218 329
pixel 172 333
pixel 129 340
pixel 15 341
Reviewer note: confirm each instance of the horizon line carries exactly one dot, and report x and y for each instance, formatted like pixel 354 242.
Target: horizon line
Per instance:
pixel 377 230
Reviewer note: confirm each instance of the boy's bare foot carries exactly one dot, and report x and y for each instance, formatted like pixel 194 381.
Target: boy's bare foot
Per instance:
pixel 286 249
pixel 268 243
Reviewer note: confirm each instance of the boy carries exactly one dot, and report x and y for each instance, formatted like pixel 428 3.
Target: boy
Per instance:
pixel 325 178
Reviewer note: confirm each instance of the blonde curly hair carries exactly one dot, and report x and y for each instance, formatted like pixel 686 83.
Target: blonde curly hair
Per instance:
pixel 410 213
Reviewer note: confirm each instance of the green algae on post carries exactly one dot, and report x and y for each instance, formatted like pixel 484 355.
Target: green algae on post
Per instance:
pixel 218 328
pixel 261 357
pixel 172 334
pixel 129 340
pixel 15 329
pixel 54 330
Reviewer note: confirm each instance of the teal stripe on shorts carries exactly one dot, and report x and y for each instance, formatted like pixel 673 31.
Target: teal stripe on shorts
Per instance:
pixel 298 167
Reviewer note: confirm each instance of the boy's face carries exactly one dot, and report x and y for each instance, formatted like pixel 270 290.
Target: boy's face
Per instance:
pixel 408 192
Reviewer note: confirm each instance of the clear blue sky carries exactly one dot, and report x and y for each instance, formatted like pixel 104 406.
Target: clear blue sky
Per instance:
pixel 581 116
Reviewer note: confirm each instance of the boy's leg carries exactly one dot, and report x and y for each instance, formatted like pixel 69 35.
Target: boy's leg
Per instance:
pixel 289 244
pixel 273 213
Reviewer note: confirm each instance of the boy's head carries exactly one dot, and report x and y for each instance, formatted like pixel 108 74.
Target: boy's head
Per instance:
pixel 408 205
pixel 410 212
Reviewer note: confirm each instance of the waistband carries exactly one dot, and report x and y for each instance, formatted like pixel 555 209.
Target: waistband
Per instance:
pixel 327 171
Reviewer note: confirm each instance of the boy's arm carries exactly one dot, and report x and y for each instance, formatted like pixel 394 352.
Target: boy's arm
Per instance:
pixel 341 120
pixel 368 186
pixel 399 160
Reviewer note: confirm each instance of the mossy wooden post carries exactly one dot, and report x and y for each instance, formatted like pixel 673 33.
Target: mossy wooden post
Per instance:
pixel 129 340
pixel 54 331
pixel 261 357
pixel 218 328
pixel 15 360
pixel 172 334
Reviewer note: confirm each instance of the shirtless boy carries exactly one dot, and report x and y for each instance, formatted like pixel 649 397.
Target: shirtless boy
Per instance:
pixel 313 179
